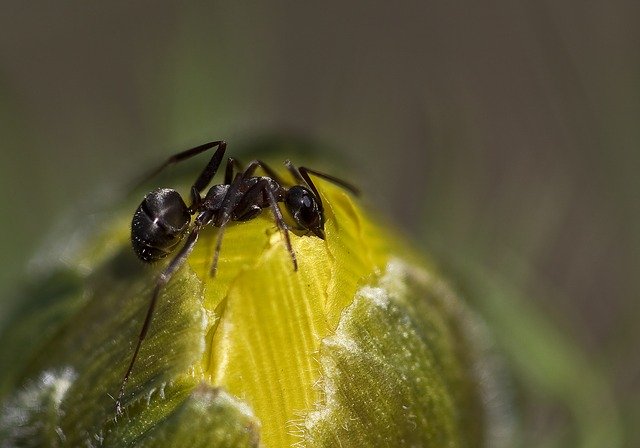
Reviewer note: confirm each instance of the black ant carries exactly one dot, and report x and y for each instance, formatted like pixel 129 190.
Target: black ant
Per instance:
pixel 163 219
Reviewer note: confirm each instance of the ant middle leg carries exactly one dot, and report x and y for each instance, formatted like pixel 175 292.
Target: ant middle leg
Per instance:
pixel 234 164
pixel 282 226
pixel 224 214
pixel 255 164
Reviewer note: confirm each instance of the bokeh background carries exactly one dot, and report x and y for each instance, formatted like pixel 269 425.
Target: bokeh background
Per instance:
pixel 501 135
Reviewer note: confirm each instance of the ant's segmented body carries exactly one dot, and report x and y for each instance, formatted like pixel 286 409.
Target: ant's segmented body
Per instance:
pixel 162 220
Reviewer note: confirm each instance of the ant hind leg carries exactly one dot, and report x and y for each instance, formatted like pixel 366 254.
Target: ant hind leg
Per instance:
pixel 207 173
pixel 228 172
pixel 161 281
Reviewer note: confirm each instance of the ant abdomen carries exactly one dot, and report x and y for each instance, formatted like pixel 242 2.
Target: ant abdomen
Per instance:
pixel 159 224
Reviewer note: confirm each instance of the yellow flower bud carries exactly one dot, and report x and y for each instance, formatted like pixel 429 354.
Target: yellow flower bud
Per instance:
pixel 365 345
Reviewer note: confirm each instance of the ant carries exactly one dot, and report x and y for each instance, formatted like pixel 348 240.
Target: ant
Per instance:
pixel 163 219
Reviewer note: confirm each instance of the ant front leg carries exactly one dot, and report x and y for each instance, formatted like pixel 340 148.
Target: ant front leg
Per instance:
pixel 282 226
pixel 250 205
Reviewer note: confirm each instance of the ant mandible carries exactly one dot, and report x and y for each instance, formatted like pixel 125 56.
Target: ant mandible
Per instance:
pixel 163 219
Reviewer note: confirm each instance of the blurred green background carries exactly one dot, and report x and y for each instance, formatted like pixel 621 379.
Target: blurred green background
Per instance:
pixel 501 135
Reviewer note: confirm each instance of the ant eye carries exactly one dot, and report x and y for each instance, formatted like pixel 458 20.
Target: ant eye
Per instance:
pixel 304 208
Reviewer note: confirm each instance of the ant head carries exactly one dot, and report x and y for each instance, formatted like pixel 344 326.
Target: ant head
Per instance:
pixel 159 224
pixel 305 209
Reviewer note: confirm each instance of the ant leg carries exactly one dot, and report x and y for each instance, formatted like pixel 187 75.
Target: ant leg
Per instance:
pixel 302 175
pixel 294 171
pixel 249 206
pixel 270 172
pixel 277 216
pixel 212 167
pixel 216 255
pixel 254 164
pixel 228 173
pixel 162 280
pixel 228 203
pixel 208 172
pixel 196 200
pixel 342 183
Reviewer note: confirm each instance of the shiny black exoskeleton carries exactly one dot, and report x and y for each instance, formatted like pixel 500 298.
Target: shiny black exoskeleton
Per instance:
pixel 159 224
pixel 163 219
